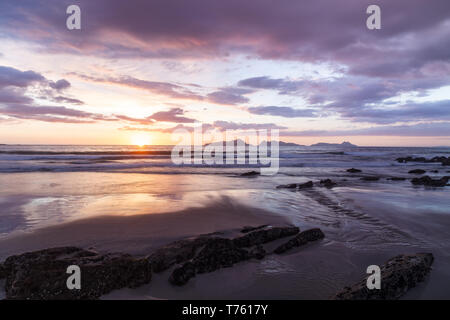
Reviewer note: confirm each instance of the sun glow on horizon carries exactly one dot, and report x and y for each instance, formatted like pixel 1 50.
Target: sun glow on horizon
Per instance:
pixel 141 139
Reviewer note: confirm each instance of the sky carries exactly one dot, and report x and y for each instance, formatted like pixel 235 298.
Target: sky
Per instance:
pixel 137 70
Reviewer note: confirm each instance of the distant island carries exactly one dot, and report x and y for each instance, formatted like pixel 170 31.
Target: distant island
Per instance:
pixel 344 144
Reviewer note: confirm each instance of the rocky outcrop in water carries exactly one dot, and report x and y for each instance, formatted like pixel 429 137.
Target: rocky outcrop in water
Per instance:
pixel 445 161
pixel 398 275
pixel 427 181
pixel 353 170
pixel 397 179
pixel 327 183
pixel 305 185
pixel 417 171
pixel 264 236
pixel 250 174
pixel 42 274
pixel 370 178
pixel 301 239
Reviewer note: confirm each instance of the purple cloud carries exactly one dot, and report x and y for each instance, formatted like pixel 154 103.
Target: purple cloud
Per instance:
pixel 286 112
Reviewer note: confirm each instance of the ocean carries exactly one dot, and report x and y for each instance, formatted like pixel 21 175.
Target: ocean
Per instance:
pixel 364 221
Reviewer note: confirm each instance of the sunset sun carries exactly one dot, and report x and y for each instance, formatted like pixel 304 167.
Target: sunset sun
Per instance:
pixel 140 139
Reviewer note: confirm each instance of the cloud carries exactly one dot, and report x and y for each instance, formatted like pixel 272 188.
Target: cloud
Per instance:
pixel 414 33
pixel 51 114
pixel 60 84
pixel 173 115
pixel 229 96
pixel 16 78
pixel 161 88
pixel 228 125
pixel 286 112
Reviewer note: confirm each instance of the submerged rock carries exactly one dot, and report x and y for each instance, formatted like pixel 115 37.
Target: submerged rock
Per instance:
pixel 42 274
pixel 301 239
pixel 398 275
pixel 427 181
pixel 353 170
pixel 328 183
pixel 417 171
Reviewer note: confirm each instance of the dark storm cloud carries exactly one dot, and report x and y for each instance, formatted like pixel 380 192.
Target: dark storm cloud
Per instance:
pixel 413 32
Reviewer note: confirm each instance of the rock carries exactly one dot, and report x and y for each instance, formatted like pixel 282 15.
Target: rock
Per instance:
pixel 287 186
pixel 305 185
pixel 247 229
pixel 180 276
pixel 417 171
pixel 2 271
pixel 434 171
pixel 264 236
pixel 445 161
pixel 217 253
pixel 427 181
pixel 250 174
pixel 42 274
pixel 176 252
pixel 301 239
pixel 328 183
pixel 398 275
pixel 258 252
pixel 370 178
pixel 353 170
pixel 397 179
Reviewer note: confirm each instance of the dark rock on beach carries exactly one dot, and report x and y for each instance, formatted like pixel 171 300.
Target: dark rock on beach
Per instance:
pixel 427 181
pixel 250 174
pixel 217 253
pixel 2 271
pixel 301 239
pixel 417 171
pixel 220 253
pixel 328 183
pixel 176 252
pixel 42 274
pixel 353 170
pixel 247 229
pixel 398 275
pixel 264 236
